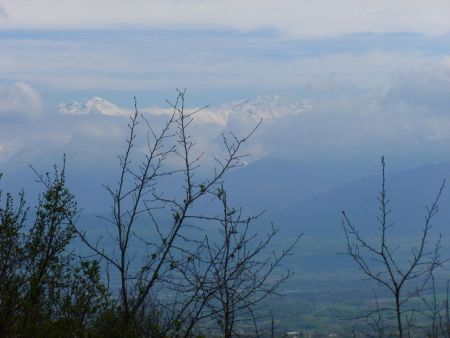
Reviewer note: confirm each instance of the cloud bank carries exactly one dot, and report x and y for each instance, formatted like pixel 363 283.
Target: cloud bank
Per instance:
pixel 408 120
pixel 299 18
pixel 19 102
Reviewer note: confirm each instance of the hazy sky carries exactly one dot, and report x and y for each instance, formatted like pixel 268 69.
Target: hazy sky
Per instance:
pixel 373 71
pixel 228 47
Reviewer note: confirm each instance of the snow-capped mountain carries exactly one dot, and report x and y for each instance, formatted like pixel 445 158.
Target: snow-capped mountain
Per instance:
pixel 101 106
pixel 268 108
pixel 93 106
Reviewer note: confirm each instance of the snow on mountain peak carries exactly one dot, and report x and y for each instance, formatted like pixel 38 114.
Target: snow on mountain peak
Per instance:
pixel 269 108
pixel 93 106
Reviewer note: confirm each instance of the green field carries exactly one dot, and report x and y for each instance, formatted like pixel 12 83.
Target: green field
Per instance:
pixel 327 295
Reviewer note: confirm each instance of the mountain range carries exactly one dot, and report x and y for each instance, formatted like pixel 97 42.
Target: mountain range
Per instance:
pixel 268 108
pixel 301 194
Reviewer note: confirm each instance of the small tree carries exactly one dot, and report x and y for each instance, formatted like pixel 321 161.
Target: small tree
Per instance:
pixel 44 287
pixel 381 262
pixel 45 249
pixel 12 220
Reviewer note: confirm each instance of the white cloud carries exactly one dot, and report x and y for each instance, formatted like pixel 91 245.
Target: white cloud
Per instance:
pixel 8 149
pixel 97 64
pixel 427 89
pixel 19 102
pixel 293 17
pixel 409 118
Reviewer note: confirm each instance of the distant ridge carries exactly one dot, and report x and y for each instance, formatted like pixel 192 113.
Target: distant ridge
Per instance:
pixel 409 192
pixel 268 108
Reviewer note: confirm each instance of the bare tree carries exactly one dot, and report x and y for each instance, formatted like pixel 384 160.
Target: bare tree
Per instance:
pixel 138 196
pixel 381 262
pixel 241 269
pixel 232 273
pixel 444 315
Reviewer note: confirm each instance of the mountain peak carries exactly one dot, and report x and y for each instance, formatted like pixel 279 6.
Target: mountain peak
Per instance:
pixel 93 106
pixel 267 107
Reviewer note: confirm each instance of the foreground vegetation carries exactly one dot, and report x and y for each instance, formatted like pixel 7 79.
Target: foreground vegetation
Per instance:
pixel 182 282
pixel 192 265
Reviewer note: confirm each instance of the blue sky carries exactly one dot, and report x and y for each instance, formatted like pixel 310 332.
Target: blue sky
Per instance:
pixel 386 63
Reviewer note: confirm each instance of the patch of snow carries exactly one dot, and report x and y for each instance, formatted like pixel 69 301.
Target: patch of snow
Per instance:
pixel 94 106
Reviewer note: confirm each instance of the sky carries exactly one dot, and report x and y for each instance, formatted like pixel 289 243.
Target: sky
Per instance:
pixel 374 74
